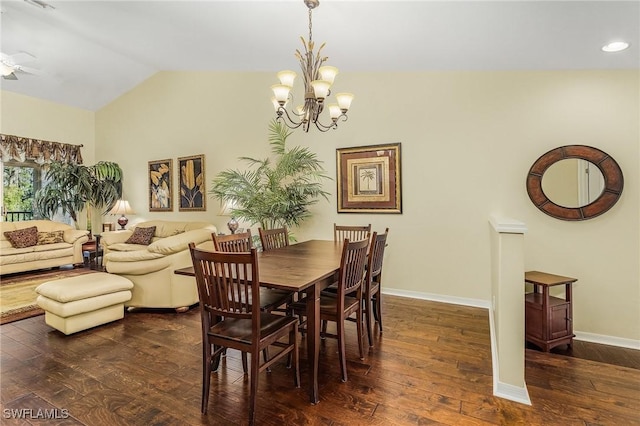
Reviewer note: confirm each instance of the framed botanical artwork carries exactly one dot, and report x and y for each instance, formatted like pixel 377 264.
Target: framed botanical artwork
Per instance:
pixel 160 185
pixel 369 179
pixel 192 194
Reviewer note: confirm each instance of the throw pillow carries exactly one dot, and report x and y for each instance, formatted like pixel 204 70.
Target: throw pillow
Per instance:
pixel 142 236
pixel 21 238
pixel 50 237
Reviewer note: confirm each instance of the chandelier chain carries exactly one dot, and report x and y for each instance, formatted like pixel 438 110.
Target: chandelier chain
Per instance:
pixel 310 24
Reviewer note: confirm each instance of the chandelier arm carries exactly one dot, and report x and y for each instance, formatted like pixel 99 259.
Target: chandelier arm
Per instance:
pixel 287 120
pixel 324 128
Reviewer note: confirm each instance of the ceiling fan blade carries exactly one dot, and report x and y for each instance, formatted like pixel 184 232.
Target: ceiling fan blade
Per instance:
pixel 11 76
pixel 21 58
pixel 28 70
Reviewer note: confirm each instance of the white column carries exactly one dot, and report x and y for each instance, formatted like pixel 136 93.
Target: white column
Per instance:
pixel 507 308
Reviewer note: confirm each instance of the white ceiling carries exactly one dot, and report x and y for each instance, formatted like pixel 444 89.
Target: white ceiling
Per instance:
pixel 91 52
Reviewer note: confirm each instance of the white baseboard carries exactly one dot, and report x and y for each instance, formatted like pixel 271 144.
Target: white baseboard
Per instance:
pixel 510 392
pixel 607 340
pixel 477 303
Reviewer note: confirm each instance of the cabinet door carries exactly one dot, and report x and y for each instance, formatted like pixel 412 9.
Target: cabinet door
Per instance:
pixel 560 323
pixel 533 321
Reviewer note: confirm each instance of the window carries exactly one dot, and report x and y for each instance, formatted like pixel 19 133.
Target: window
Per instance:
pixel 20 181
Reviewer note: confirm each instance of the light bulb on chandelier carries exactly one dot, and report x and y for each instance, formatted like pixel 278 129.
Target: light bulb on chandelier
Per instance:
pixel 317 79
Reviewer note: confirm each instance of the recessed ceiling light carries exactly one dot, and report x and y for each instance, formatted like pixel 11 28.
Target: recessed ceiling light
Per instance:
pixel 615 46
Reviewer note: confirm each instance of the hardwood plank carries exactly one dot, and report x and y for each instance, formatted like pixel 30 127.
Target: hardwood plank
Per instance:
pixel 432 365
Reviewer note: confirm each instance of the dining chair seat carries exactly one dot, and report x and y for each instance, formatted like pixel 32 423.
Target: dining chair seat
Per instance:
pixel 240 331
pixel 328 303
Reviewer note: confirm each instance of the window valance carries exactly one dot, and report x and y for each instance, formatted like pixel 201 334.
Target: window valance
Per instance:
pixel 42 152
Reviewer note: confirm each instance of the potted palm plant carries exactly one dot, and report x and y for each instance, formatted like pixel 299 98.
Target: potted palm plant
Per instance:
pixel 275 191
pixel 70 188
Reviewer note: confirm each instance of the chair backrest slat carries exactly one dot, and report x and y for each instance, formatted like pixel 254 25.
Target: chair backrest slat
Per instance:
pixel 352 233
pixel 233 243
pixel 376 253
pixel 352 266
pixel 273 238
pixel 228 283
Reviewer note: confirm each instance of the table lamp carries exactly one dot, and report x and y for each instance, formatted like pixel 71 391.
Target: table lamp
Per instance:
pixel 227 210
pixel 122 207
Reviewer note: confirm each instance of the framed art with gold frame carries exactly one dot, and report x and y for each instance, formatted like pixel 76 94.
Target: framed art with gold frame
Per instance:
pixel 369 179
pixel 192 194
pixel 161 185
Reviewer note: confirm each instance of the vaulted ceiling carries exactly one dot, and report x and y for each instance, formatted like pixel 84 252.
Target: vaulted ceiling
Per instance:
pixel 91 52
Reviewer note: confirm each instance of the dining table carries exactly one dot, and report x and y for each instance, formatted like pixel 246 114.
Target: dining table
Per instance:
pixel 308 266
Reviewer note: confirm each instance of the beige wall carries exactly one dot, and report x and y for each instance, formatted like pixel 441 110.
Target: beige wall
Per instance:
pixel 468 140
pixel 35 118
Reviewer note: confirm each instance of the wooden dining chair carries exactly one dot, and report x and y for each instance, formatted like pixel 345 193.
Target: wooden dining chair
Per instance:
pixel 228 288
pixel 273 238
pixel 271 299
pixel 348 300
pixel 371 296
pixel 352 233
pixel 233 243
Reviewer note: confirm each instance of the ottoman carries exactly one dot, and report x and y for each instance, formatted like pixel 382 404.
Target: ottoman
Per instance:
pixel 77 303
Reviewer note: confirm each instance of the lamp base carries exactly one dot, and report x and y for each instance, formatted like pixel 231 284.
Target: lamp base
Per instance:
pixel 232 225
pixel 122 221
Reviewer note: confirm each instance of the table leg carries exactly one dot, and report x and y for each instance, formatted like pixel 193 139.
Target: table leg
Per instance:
pixel 313 339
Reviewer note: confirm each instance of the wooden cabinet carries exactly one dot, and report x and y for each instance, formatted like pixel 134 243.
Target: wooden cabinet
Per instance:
pixel 548 319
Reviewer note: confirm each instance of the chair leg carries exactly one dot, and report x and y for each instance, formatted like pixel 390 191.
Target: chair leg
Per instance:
pixel 367 319
pixel 265 355
pixel 215 363
pixel 244 362
pixel 293 338
pixel 206 376
pixel 341 348
pixel 378 298
pixel 359 330
pixel 253 404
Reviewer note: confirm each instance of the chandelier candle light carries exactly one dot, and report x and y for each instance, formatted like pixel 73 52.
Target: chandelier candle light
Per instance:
pixel 318 79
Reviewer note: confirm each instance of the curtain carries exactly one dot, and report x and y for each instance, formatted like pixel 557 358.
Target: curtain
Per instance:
pixel 42 152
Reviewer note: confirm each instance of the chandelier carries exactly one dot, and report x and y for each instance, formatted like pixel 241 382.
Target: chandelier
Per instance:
pixel 318 79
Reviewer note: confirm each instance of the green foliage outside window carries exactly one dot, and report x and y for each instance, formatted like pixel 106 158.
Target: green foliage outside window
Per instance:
pixel 18 192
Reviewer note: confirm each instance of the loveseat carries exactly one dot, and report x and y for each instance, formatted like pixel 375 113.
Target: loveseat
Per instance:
pixel 50 244
pixel 150 264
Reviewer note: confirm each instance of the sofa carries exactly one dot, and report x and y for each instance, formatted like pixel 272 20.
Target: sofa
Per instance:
pixel 50 244
pixel 150 264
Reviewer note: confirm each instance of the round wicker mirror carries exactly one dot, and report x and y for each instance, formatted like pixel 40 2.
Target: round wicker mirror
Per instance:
pixel 613 182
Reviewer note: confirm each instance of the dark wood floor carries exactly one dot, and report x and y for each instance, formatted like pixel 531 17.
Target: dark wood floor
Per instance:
pixel 432 365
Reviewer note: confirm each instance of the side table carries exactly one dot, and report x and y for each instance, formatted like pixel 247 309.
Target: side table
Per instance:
pixel 548 319
pixel 92 253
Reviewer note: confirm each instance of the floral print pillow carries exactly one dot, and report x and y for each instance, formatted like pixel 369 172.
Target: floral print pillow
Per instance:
pixel 142 236
pixel 21 238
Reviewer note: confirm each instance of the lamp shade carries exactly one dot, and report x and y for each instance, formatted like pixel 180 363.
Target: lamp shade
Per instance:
pixel 287 77
pixel 344 100
pixel 328 73
pixel 226 208
pixel 122 207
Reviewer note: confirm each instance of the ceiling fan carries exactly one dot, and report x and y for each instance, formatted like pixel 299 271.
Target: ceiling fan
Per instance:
pixel 12 64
